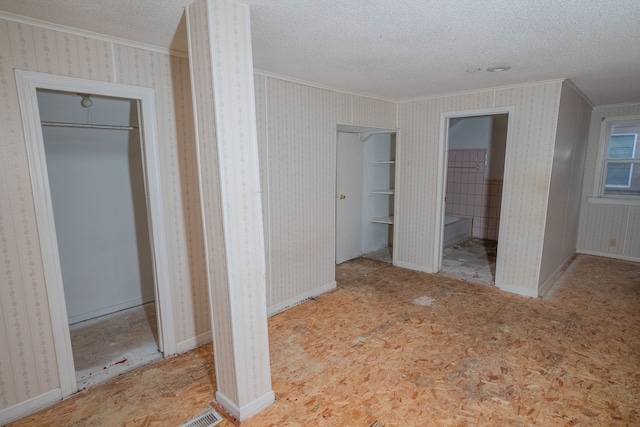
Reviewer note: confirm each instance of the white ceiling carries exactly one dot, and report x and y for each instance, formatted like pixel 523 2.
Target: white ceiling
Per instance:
pixel 402 49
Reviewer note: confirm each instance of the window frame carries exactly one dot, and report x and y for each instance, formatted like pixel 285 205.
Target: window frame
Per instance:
pixel 603 158
pixel 620 160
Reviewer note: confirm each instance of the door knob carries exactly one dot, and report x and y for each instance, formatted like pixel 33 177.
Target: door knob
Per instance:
pixel 342 196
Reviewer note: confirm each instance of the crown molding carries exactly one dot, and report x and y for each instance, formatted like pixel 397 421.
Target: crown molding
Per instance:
pixel 316 85
pixel 486 89
pixel 89 34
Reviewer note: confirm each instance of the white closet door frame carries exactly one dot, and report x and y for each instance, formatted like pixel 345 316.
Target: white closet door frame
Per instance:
pixel 27 83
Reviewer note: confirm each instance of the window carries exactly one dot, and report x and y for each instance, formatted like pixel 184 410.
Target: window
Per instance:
pixel 621 177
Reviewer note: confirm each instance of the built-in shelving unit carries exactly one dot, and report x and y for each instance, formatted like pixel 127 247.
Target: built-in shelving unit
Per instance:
pixel 389 191
pixel 378 185
pixel 383 220
pixel 385 162
pixel 366 172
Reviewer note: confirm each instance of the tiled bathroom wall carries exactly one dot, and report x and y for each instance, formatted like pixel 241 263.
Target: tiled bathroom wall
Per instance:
pixel 471 194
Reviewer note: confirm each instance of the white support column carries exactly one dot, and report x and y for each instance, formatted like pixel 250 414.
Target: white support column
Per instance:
pixel 224 107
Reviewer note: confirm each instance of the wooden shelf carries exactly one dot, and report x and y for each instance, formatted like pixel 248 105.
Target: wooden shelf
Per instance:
pixel 389 191
pixel 384 162
pixel 383 220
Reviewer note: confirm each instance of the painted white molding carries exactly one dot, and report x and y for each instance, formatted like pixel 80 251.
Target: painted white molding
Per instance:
pixel 613 201
pixel 608 255
pixel 89 34
pixel 488 89
pixel 29 406
pixel 519 290
pixel 248 410
pixel 443 151
pixel 194 342
pixel 299 299
pixel 544 288
pixel 27 83
pixel 108 310
pixel 415 267
pixel 316 85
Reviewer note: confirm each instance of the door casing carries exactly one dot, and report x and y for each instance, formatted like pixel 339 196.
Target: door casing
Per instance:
pixel 442 181
pixel 27 83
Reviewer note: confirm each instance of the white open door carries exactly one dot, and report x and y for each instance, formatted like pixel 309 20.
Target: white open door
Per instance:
pixel 348 197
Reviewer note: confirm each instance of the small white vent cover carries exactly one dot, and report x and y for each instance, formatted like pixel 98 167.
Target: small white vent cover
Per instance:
pixel 208 419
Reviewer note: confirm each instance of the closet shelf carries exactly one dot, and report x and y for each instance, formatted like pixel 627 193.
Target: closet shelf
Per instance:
pixel 384 162
pixel 385 191
pixel 383 220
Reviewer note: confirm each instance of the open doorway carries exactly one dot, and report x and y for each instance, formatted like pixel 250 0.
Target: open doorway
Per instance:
pixel 365 190
pixel 94 164
pixel 149 250
pixel 476 146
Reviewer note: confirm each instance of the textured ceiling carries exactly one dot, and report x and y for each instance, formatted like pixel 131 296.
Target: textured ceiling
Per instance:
pixel 403 49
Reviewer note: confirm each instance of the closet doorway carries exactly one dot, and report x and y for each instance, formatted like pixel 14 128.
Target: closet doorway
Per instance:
pixel 475 147
pixel 365 190
pixel 94 165
pixel 95 174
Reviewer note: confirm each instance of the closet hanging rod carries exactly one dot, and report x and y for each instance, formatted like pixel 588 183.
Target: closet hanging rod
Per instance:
pixel 87 126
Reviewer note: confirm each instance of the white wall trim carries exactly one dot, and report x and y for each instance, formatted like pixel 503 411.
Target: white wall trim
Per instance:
pixel 488 89
pixel 110 309
pixel 317 86
pixel 613 201
pixel 443 151
pixel 194 342
pixel 248 410
pixel 608 255
pixel 415 267
pixel 89 34
pixel 299 299
pixel 575 88
pixel 29 406
pixel 548 284
pixel 519 290
pixel 624 104
pixel 27 84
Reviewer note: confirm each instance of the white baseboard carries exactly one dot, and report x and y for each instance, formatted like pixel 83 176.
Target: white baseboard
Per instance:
pixel 608 255
pixel 194 342
pixel 415 267
pixel 548 284
pixel 519 290
pixel 29 406
pixel 248 410
pixel 282 306
pixel 108 310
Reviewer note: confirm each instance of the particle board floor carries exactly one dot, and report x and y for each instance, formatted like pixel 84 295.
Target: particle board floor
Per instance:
pixel 411 349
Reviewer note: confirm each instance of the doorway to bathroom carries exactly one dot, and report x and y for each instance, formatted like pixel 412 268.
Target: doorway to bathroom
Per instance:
pixel 474 176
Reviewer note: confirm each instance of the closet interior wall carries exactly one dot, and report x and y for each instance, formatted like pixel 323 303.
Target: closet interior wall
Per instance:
pixel 97 189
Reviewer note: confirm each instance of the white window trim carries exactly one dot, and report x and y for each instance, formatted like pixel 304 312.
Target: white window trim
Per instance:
pixel 598 188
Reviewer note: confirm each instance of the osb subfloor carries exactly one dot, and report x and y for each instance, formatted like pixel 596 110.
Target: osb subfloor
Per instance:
pixel 107 346
pixel 412 349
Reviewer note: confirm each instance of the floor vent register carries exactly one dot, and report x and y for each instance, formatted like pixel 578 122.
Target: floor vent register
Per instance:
pixel 208 419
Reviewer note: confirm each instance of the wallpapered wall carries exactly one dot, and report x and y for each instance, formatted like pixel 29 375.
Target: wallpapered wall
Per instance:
pixel 27 358
pixel 601 222
pixel 526 178
pixel 561 229
pixel 297 142
pixel 297 137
